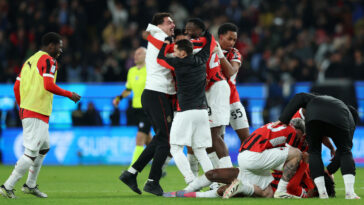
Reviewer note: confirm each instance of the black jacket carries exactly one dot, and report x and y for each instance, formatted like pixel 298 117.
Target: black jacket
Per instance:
pixel 321 107
pixel 190 76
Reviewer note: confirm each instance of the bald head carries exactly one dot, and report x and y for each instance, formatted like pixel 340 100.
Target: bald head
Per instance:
pixel 139 56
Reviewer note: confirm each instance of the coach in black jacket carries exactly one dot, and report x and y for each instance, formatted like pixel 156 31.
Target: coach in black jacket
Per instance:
pixel 327 116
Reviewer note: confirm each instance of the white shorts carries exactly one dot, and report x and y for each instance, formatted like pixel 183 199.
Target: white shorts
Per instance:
pixel 191 128
pixel 255 167
pixel 238 118
pixel 218 97
pixel 35 134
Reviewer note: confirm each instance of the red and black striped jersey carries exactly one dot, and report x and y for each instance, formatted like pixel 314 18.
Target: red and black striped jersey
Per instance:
pixel 268 137
pixel 233 55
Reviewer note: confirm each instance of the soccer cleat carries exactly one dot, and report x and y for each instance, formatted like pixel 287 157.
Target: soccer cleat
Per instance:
pixel 169 194
pixel 153 187
pixel 7 193
pixel 184 193
pixel 284 195
pixel 34 191
pixel 130 180
pixel 352 196
pixel 232 190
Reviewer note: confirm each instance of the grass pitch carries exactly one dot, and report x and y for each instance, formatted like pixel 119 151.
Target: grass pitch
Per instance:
pixel 100 185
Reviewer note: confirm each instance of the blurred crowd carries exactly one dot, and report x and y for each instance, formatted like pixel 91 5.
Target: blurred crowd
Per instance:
pixel 280 40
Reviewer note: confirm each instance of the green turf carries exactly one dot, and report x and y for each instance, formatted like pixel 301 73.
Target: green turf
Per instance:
pixel 100 185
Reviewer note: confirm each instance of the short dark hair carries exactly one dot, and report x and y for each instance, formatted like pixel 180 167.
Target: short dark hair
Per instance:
pixel 298 124
pixel 185 45
pixel 198 22
pixel 354 113
pixel 178 32
pixel 51 37
pixel 224 28
pixel 158 18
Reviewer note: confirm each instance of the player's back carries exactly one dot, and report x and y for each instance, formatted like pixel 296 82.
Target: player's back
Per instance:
pixel 268 136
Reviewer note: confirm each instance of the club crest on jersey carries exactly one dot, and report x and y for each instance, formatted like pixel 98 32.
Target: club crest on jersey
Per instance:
pixel 53 69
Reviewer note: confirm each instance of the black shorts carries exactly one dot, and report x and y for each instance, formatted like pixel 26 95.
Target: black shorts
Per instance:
pixel 143 121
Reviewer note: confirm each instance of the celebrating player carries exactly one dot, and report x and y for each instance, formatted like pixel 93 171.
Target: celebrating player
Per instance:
pixel 228 33
pixel 34 89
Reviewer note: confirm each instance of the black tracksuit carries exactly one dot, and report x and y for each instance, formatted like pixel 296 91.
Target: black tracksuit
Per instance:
pixel 190 76
pixel 325 116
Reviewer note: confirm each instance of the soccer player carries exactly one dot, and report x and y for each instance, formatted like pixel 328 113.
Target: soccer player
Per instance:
pixel 228 34
pixel 136 82
pixel 190 126
pixel 34 89
pixel 262 152
pixel 321 121
pixel 157 104
pixel 217 94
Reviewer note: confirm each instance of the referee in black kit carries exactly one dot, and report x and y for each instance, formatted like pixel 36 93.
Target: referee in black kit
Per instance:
pixel 327 116
pixel 157 104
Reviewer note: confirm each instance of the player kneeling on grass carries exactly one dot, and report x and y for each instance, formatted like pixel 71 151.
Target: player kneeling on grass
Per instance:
pixel 190 125
pixel 262 152
pixel 34 89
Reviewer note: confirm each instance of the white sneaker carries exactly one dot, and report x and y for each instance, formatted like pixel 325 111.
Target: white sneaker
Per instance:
pixel 34 191
pixel 324 196
pixel 285 195
pixel 232 190
pixel 352 196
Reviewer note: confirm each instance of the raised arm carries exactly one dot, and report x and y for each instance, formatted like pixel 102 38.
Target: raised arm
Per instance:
pixel 163 60
pixel 203 55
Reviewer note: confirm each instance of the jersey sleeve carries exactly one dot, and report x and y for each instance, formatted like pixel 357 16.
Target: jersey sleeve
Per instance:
pixel 47 66
pixel 128 84
pixel 234 56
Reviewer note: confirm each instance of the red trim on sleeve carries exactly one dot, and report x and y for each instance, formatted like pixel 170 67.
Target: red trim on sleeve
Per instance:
pixel 17 91
pixel 50 86
pixel 158 44
pixel 164 64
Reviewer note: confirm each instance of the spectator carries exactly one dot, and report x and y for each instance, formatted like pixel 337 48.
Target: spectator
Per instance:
pixel 12 117
pixel 92 116
pixel 78 116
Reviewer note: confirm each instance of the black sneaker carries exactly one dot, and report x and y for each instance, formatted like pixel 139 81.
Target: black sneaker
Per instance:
pixel 7 193
pixel 153 188
pixel 130 180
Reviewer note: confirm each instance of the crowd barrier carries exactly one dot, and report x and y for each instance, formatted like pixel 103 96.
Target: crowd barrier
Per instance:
pixel 115 145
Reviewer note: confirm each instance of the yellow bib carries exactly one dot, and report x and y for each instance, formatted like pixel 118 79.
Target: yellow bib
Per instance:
pixel 33 96
pixel 136 82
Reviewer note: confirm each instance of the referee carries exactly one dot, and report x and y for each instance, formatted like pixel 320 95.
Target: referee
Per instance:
pixel 136 82
pixel 157 104
pixel 327 116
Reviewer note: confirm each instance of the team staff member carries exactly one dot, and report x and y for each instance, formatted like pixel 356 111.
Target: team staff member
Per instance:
pixel 136 82
pixel 228 34
pixel 327 116
pixel 157 104
pixel 34 89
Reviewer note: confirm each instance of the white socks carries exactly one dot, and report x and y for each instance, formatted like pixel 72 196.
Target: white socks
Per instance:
pixel 225 162
pixel 21 167
pixel 207 194
pixel 282 186
pixel 193 163
pixel 197 184
pixel 214 159
pixel 246 188
pixel 34 171
pixel 182 163
pixel 349 181
pixel 320 184
pixel 203 159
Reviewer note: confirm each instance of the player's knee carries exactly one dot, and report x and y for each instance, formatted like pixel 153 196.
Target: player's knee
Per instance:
pixel 44 151
pixel 30 153
pixel 175 149
pixel 211 175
